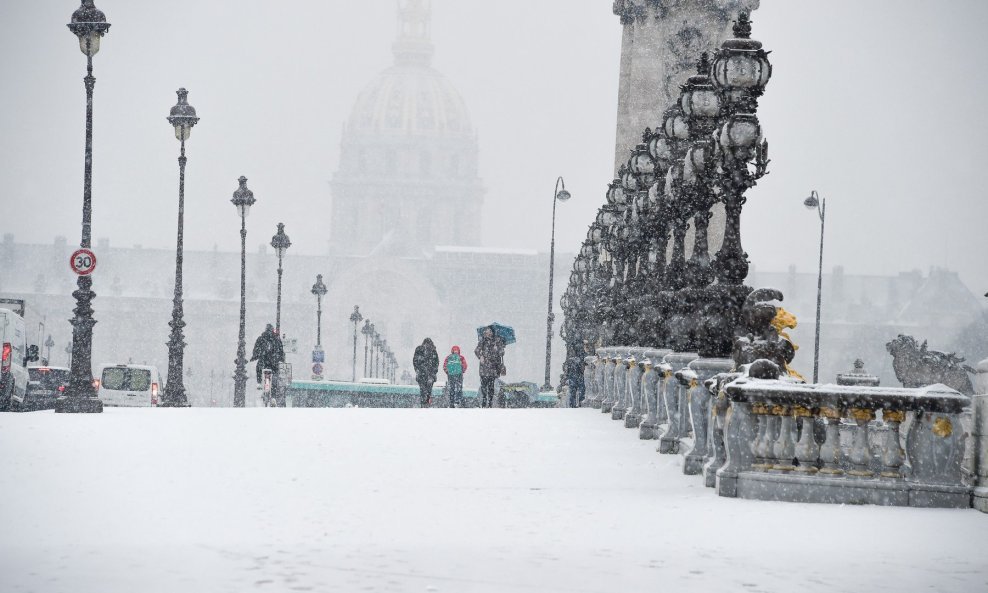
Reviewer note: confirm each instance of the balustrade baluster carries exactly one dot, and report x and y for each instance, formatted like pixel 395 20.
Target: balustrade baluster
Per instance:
pixel 784 447
pixel 807 450
pixel 760 412
pixel 892 456
pixel 860 456
pixel 830 451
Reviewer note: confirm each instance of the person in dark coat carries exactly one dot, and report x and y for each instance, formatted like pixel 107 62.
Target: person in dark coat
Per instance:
pixel 425 361
pixel 268 351
pixel 490 353
pixel 573 371
pixel 454 366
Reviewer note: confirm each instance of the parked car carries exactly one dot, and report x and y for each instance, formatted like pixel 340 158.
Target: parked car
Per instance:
pixel 15 356
pixel 129 385
pixel 44 386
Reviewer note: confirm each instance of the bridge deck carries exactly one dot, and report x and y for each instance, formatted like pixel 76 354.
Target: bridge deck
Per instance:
pixel 425 500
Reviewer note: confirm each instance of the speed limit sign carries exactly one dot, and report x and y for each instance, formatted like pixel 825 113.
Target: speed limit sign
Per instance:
pixel 83 262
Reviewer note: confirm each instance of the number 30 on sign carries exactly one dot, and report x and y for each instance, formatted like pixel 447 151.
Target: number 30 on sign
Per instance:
pixel 83 262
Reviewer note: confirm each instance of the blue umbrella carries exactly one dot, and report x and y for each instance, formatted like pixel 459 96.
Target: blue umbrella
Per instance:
pixel 506 332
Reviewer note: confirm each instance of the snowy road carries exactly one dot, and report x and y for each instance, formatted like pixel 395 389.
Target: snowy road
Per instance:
pixel 489 501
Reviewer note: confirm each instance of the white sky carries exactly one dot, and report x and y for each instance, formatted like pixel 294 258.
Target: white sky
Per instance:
pixel 877 104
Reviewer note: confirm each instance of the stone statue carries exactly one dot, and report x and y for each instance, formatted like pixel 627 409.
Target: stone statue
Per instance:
pixel 759 334
pixel 916 366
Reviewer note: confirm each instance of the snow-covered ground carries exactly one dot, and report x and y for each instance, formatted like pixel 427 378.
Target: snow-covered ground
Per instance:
pixel 215 500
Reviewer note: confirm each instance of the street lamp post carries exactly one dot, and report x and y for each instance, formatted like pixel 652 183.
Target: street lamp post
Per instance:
pixel 367 330
pixel 814 202
pixel 281 243
pixel 319 289
pixel 89 25
pixel 182 117
pixel 243 199
pixel 48 344
pixel 384 359
pixel 355 318
pixel 375 353
pixel 559 195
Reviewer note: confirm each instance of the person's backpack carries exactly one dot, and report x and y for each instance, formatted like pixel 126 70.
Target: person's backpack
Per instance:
pixel 454 366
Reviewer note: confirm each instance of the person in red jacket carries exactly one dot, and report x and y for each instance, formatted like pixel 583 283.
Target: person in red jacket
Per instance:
pixel 454 366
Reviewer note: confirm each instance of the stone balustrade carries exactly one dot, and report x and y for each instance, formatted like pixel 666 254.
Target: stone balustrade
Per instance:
pixel 674 399
pixel 636 369
pixel 784 440
pixel 698 400
pixel 651 385
pixel 774 453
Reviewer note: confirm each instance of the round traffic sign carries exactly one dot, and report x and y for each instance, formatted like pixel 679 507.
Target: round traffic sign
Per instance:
pixel 83 262
pixel 317 369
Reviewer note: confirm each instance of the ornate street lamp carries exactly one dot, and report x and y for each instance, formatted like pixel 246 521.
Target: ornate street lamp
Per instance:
pixel 367 330
pixel 89 25
pixel 820 205
pixel 182 117
pixel 319 290
pixel 740 72
pixel 377 354
pixel 281 243
pixel 384 352
pixel 355 318
pixel 559 195
pixel 243 199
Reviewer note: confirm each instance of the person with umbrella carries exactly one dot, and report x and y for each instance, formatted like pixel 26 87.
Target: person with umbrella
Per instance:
pixel 490 353
pixel 426 364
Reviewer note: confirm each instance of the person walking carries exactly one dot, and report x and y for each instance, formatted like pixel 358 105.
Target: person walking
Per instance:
pixel 268 351
pixel 574 380
pixel 454 366
pixel 425 361
pixel 490 353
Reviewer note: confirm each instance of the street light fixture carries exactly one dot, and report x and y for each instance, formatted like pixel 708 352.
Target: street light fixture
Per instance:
pixel 89 25
pixel 182 117
pixel 559 195
pixel 319 289
pixel 814 202
pixel 243 199
pixel 355 318
pixel 367 330
pixel 281 243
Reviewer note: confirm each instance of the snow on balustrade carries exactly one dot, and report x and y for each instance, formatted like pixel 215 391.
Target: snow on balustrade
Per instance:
pixel 780 439
pixel 776 449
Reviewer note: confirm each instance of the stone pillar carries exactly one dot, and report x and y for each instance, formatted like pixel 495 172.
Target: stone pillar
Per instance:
pixel 661 43
pixel 980 435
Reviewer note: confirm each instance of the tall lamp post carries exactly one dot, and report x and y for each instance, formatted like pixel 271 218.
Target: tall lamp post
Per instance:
pixel 48 344
pixel 319 289
pixel 355 318
pixel 281 243
pixel 243 199
pixel 367 330
pixel 89 25
pixel 182 117
pixel 559 195
pixel 820 205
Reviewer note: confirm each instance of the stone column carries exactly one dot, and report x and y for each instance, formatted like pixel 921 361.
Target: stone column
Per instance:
pixel 661 42
pixel 980 435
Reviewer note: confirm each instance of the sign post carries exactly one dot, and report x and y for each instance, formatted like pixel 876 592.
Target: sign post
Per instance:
pixel 318 358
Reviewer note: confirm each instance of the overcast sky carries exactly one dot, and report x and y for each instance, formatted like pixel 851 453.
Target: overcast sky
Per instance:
pixel 877 104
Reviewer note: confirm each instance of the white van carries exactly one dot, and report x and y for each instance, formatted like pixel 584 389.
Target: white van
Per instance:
pixel 129 385
pixel 16 355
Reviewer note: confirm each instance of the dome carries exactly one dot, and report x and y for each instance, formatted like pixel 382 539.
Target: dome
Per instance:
pixel 411 97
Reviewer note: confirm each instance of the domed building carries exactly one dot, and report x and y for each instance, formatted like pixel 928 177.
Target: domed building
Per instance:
pixel 407 179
